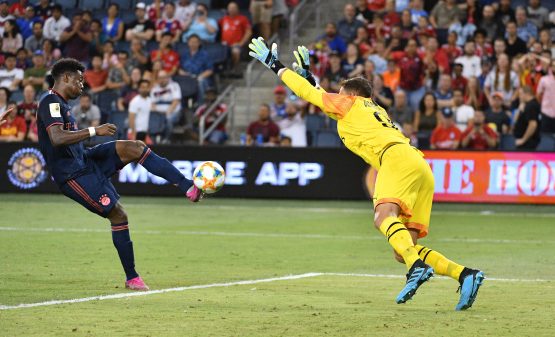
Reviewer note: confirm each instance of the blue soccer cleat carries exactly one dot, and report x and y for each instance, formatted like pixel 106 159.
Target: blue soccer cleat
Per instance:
pixel 418 274
pixel 471 280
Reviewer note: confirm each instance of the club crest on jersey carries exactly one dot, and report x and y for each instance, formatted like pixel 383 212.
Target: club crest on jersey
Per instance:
pixel 104 200
pixel 55 110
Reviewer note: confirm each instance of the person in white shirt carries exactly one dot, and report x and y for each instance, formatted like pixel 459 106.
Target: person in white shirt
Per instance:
pixel 10 76
pixel 463 113
pixel 185 12
pixel 472 66
pixel 166 99
pixel 4 15
pixel 139 112
pixel 55 25
pixel 293 126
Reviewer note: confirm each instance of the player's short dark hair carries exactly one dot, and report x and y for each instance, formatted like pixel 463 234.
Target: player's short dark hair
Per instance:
pixel 359 86
pixel 66 65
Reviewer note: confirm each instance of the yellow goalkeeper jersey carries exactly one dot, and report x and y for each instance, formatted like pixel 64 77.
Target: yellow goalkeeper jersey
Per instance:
pixel 364 126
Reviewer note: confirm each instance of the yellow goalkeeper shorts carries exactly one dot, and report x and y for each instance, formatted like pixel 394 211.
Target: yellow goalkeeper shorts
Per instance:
pixel 406 179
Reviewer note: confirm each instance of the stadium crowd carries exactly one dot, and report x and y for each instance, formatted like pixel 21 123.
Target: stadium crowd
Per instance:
pixel 475 74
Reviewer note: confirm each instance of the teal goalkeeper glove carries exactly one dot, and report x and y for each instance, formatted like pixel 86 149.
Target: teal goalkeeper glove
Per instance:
pixel 260 51
pixel 302 66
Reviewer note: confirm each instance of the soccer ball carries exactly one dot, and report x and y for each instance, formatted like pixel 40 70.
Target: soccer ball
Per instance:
pixel 209 177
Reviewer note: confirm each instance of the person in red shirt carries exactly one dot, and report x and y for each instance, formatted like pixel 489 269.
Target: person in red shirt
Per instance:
pixel 375 5
pixel 451 48
pixel 166 55
pixel 236 31
pixel 446 136
pixel 458 81
pixel 96 77
pixel 169 24
pixel 433 52
pixel 412 73
pixel 263 130
pixel 14 128
pixel 479 136
pixel 17 9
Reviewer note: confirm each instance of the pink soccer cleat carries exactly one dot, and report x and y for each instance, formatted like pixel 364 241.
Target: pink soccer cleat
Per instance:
pixel 194 194
pixel 136 283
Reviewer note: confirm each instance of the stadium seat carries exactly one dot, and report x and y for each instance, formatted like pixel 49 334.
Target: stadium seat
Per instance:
pixel 332 124
pixel 216 14
pixel 217 52
pixel 122 45
pixel 507 143
pixel 181 48
pixel 151 45
pixel 313 124
pixel 123 4
pixel 188 85
pixel 156 123
pixel 119 118
pixel 66 4
pixel 208 3
pixel 547 142
pixel 327 138
pixel 16 96
pixel 92 5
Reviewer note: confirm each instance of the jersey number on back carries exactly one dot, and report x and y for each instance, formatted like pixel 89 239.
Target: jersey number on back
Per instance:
pixel 384 120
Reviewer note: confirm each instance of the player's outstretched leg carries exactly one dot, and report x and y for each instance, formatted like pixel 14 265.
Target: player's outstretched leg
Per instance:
pixel 387 221
pixel 470 280
pixel 137 151
pixel 124 246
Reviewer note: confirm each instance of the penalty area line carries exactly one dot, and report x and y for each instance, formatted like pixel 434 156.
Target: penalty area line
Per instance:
pixel 235 283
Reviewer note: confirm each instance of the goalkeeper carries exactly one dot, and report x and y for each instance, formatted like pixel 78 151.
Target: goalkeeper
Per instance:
pixel 404 185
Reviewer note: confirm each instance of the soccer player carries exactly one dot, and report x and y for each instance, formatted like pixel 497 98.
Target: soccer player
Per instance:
pixel 404 185
pixel 83 174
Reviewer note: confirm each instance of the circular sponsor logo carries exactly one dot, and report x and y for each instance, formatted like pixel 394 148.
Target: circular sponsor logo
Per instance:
pixel 105 200
pixel 27 168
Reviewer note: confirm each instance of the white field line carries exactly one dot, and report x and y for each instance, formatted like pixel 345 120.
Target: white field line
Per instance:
pixel 265 235
pixel 228 284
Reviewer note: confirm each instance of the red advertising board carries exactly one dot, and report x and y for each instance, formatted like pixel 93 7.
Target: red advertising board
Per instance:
pixel 500 177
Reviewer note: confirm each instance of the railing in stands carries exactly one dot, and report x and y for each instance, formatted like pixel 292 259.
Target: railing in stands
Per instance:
pixel 296 20
pixel 228 95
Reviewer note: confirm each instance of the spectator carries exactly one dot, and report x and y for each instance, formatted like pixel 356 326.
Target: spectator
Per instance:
pixel 470 62
pixel 502 79
pixel 25 23
pixel 205 27
pixel 27 107
pixel 279 12
pixel 166 100
pixel 219 135
pixel 118 77
pixel 35 75
pixel 22 60
pixel 285 141
pixel 473 94
pixel 400 113
pixel 236 32
pixel 195 62
pixel 55 25
pixel 86 113
pixel 437 55
pixel 261 12
pixel 479 136
pixel 463 113
pixel 378 57
pixel 546 95
pixel 139 112
pixel 277 108
pixel 332 40
pixel 12 40
pixel 483 48
pixel 112 25
pixel 526 128
pixel 417 10
pixel 498 115
pixel 50 52
pixel 362 12
pixel 293 126
pixel 504 12
pixel 185 13
pixel 377 30
pixel 331 81
pixel 10 76
pixel 537 14
pixel 4 15
pixel 391 14
pixel 442 16
pixel 137 58
pixel 32 129
pixel 99 38
pixel 15 128
pixel 408 28
pixel 4 99
pixel 43 9
pixel 96 77
pixel 383 96
pixel 17 8
pixel 348 25
pixel 526 30
pixel 376 5
pixel 392 76
pixel 34 42
pixel 168 57
pixel 412 73
pixel 443 94
pixel 490 24
pixel 263 131
pixel 130 90
pixel 140 28
pixel 352 65
pixel 169 24
pixel 451 48
pixel 76 39
pixel 446 136
pixel 362 42
pixel 546 42
pixel 425 118
pixel 459 81
pixel 431 78
pixel 514 44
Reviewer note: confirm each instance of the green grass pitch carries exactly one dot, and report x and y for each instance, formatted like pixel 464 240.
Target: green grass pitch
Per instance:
pixel 53 249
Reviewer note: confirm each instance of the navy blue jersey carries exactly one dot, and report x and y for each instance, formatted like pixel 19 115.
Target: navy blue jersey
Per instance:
pixel 66 161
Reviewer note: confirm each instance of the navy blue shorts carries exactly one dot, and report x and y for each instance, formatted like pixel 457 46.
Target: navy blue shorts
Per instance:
pixel 94 189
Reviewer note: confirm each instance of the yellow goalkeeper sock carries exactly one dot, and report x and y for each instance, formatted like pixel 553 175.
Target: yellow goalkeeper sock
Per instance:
pixel 441 264
pixel 399 238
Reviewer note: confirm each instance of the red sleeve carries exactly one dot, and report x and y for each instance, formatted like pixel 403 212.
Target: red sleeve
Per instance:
pixel 274 132
pixel 458 134
pixel 160 24
pixel 249 129
pixel 397 55
pixel 21 125
pixel 176 58
pixel 490 132
pixel 466 132
pixel 153 54
pixel 245 22
pixel 435 135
